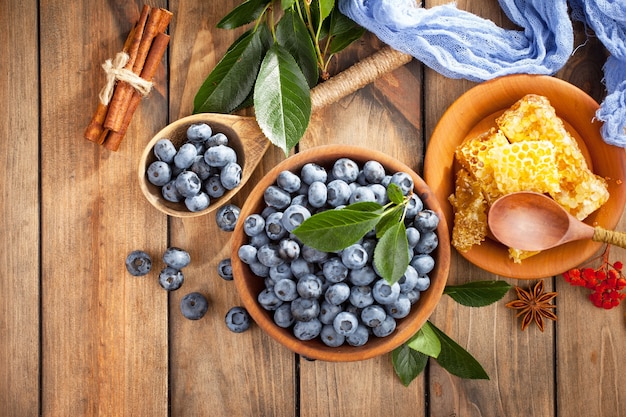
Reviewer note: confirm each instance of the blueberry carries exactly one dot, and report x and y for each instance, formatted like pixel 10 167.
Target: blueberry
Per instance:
pixel 338 193
pixel 288 181
pixel 426 221
pixel 330 337
pixel 400 308
pixel 300 268
pixel 276 197
pixel 281 271
pixel 231 175
pixel 312 172
pixel 300 200
pixel 307 330
pixel 362 276
pixel 194 306
pixel 412 236
pixel 199 132
pixel 165 150
pixel 201 168
pixel 237 320
pixel 259 269
pixel 373 315
pixel 253 225
pixel 361 296
pixel 305 309
pixel 414 206
pixel 317 194
pixel 185 156
pixel 188 184
pixel 274 228
pixel 313 255
pixel 423 282
pixel 138 263
pixel 170 193
pixel 268 299
pixel 225 269
pixel 259 240
pixel 384 293
pixel 159 173
pixel 285 289
pixel 268 255
pixel 345 323
pixel 309 286
pixel 247 254
pixel 294 216
pixel 288 249
pixel 217 139
pixel 337 293
pixel 354 256
pixel 362 194
pixel 197 202
pixel 408 281
pixel 359 337
pixel 404 181
pixel 423 263
pixel 374 172
pixel 227 216
pixel 220 155
pixel 283 317
pixel 428 242
pixel 380 193
pixel 334 270
pixel 345 169
pixel 413 296
pixel 386 327
pixel 171 279
pixel 176 257
pixel 328 312
pixel 214 187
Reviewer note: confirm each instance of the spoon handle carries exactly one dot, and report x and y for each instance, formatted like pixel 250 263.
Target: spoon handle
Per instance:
pixel 609 236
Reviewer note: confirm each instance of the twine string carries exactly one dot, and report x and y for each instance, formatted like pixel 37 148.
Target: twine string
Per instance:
pixel 608 236
pixel 115 71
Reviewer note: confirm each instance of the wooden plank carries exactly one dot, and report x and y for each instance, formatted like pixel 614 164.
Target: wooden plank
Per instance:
pixel 104 332
pixel 19 211
pixel 370 118
pixel 520 364
pixel 214 371
pixel 590 341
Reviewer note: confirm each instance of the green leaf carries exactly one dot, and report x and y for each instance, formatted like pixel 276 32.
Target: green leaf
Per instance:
pixel 365 206
pixel 426 341
pixel 334 230
pixel 292 33
pixel 286 4
pixel 391 255
pixel 234 76
pixel 456 360
pixel 325 8
pixel 343 31
pixel 395 194
pixel 408 363
pixel 390 218
pixel 282 99
pixel 243 14
pixel 479 293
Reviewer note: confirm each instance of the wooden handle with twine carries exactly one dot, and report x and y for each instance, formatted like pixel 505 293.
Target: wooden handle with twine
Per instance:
pixel 357 76
pixel 609 236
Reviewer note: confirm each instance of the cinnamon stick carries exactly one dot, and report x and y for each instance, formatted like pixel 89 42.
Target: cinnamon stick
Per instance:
pixel 157 20
pixel 153 60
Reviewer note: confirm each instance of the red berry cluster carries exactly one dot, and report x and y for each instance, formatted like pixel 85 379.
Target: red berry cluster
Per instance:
pixel 606 282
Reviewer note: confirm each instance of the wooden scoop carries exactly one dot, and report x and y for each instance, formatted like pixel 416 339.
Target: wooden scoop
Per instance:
pixel 245 135
pixel 534 222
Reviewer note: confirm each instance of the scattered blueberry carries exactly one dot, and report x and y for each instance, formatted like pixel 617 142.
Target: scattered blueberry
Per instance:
pixel 138 263
pixel 176 257
pixel 171 279
pixel 225 269
pixel 227 216
pixel 237 319
pixel 194 306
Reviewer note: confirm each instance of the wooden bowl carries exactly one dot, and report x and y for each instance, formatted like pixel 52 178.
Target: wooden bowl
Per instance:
pixel 249 285
pixel 244 136
pixel 475 112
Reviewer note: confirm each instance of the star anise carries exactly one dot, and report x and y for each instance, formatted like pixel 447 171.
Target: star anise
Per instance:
pixel 534 305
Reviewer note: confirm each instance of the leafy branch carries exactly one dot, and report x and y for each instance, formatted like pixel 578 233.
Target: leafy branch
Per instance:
pixel 275 63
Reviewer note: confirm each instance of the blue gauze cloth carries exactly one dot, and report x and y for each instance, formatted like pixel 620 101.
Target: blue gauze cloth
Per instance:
pixel 459 44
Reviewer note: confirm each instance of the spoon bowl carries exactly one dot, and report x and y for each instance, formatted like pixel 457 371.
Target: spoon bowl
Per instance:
pixel 534 222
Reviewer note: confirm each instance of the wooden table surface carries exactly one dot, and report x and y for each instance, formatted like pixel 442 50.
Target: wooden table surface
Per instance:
pixel 81 337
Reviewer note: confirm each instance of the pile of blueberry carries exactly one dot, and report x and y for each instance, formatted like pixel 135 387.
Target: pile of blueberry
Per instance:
pixel 202 168
pixel 338 297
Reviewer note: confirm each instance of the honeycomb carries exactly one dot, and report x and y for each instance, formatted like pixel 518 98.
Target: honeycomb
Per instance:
pixel 470 212
pixel 529 150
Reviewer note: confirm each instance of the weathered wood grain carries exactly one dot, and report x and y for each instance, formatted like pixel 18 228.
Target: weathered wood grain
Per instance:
pixel 19 211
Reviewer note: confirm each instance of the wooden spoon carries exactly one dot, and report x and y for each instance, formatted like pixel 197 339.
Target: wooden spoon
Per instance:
pixel 534 222
pixel 245 135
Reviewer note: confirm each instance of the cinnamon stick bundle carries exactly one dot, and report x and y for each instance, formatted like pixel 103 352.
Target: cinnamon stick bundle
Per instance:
pixel 145 46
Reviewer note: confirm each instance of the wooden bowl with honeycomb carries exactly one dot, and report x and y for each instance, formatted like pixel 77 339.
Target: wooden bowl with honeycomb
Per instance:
pixel 474 114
